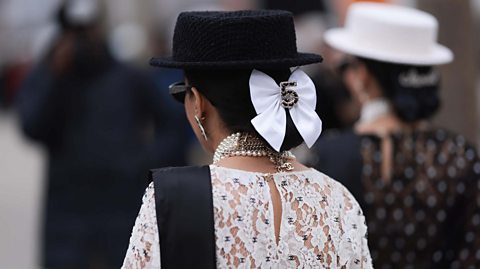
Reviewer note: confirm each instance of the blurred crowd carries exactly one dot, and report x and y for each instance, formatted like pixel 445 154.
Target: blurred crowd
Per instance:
pixel 74 75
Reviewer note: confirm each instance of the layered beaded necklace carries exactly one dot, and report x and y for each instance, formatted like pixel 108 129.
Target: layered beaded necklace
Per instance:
pixel 248 145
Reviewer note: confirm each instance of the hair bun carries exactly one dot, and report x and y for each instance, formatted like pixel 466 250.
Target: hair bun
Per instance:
pixel 412 90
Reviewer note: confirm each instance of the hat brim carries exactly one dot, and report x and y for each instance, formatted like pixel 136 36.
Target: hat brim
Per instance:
pixel 299 60
pixel 342 40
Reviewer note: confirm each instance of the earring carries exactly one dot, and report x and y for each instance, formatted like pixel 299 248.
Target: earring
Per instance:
pixel 200 126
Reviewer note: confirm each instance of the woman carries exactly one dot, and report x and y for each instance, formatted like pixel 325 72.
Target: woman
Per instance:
pixel 418 184
pixel 255 206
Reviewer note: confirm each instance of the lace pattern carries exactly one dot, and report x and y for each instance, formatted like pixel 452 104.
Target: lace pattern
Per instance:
pixel 322 225
pixel 144 248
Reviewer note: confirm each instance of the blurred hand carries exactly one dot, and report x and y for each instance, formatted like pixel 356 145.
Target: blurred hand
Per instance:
pixel 62 54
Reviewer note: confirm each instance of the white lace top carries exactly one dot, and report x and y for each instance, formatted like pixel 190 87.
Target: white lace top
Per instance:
pixel 321 226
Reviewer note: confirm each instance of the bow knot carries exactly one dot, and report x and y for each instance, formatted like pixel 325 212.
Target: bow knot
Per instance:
pixel 289 95
pixel 270 101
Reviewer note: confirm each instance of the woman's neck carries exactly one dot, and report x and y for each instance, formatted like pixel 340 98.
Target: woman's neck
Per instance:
pixel 246 151
pixel 256 164
pixel 374 109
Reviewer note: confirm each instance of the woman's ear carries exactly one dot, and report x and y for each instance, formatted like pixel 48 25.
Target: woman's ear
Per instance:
pixel 198 103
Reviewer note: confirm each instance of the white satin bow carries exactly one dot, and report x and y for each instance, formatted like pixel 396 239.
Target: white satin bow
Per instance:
pixel 271 119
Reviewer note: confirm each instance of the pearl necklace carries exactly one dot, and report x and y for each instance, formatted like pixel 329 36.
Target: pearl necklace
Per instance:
pixel 247 145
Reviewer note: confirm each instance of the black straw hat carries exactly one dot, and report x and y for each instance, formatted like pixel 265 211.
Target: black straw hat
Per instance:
pixel 238 39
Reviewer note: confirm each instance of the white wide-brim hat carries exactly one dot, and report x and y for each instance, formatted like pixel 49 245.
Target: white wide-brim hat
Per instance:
pixel 390 33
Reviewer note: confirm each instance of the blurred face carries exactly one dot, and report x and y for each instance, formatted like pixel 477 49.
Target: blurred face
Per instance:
pixel 349 71
pixel 81 51
pixel 359 81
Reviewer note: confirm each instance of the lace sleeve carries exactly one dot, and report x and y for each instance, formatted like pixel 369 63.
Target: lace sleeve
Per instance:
pixel 354 239
pixel 144 248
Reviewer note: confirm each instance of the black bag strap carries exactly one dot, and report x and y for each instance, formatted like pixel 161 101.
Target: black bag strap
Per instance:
pixel 184 207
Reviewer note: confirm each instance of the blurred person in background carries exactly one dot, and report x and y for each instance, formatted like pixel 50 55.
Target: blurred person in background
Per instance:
pixel 2 88
pixel 103 124
pixel 334 102
pixel 418 185
pixel 11 77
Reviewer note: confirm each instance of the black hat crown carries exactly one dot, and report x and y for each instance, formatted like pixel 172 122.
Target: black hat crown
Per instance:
pixel 238 39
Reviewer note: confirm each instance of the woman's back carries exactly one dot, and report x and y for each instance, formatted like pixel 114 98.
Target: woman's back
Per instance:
pixel 426 215
pixel 321 225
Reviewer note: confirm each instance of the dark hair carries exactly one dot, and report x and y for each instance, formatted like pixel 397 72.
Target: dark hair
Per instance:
pixel 411 101
pixel 228 91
